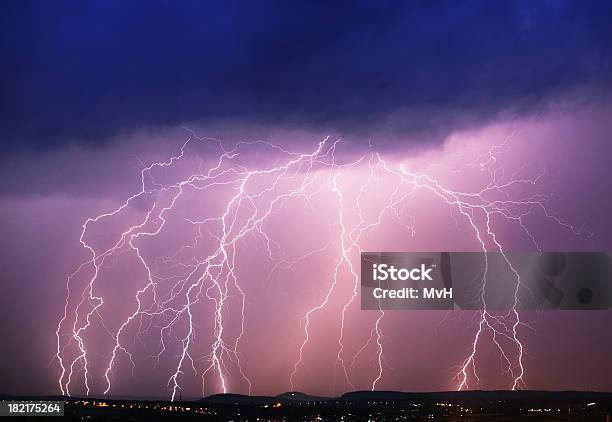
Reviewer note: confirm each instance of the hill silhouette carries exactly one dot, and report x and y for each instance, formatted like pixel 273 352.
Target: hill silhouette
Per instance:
pixel 543 397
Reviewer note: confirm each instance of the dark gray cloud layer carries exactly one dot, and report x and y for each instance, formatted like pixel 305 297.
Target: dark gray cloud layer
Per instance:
pixel 83 71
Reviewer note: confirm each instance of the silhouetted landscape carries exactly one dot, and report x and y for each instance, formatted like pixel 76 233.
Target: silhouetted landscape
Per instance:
pixel 354 406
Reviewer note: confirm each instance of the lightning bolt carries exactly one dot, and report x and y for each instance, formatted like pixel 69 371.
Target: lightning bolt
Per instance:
pixel 167 304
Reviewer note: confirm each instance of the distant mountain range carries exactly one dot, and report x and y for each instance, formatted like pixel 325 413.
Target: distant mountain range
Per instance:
pixel 543 397
pixel 284 398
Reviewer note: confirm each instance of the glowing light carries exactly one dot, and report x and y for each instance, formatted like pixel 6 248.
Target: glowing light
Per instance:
pixel 256 194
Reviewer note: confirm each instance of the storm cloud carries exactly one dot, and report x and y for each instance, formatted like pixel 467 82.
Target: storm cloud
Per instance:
pixel 83 72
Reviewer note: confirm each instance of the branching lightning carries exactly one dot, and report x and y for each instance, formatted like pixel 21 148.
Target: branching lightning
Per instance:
pixel 165 306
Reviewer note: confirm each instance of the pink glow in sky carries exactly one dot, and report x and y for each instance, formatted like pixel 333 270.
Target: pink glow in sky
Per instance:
pixel 422 350
pixel 286 265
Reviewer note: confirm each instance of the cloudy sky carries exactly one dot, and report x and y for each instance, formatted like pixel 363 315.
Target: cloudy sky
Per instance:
pixel 94 91
pixel 85 72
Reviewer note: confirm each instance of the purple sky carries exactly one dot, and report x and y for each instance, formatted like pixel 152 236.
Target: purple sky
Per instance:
pixel 464 93
pixel 566 350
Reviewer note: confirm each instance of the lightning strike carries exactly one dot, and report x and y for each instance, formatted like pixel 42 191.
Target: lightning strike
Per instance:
pixel 166 306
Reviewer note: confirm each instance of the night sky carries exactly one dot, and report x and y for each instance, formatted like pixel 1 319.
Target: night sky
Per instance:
pixel 92 92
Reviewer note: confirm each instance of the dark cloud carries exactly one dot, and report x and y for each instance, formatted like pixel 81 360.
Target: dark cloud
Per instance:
pixel 85 71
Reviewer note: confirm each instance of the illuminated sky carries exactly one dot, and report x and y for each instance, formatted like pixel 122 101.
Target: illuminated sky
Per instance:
pixel 96 92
